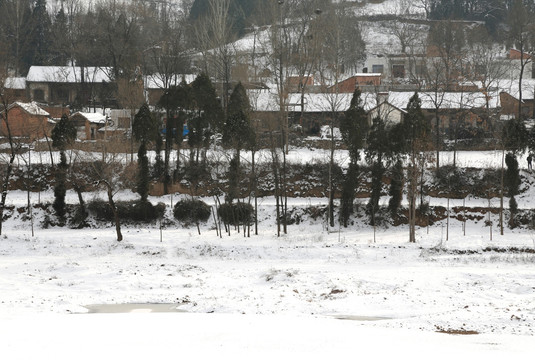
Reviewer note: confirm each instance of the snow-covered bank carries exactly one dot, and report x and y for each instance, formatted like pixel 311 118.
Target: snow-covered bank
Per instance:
pixel 224 336
pixel 270 295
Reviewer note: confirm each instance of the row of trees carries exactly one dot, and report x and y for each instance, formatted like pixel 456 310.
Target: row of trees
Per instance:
pixel 385 145
pixel 110 33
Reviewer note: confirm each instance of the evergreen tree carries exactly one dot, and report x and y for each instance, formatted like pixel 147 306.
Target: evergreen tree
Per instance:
pixel 178 102
pixel 60 45
pixel 415 137
pixel 37 38
pixel 377 150
pixel 207 118
pixel 512 183
pixel 396 189
pixel 63 134
pixel 142 186
pixel 353 126
pixel 145 129
pixel 237 133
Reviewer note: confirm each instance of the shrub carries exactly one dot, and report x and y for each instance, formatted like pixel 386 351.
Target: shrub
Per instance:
pixel 236 213
pixel 191 210
pixel 137 210
pixel 101 209
pixel 140 210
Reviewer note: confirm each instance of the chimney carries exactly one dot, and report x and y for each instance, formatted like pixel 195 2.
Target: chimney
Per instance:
pixel 382 97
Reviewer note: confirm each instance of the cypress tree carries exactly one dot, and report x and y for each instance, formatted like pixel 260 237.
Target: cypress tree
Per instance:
pixel 145 129
pixel 353 126
pixel 207 118
pixel 396 189
pixel 238 134
pixel 63 134
pixel 415 130
pixel 378 149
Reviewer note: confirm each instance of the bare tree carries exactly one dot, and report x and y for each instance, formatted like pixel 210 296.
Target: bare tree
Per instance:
pixel 215 35
pixel 5 124
pixel 12 37
pixel 446 43
pixel 522 34
pixel 106 176
pixel 130 96
pixel 331 68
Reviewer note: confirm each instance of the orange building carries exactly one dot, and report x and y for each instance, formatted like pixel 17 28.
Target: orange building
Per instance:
pixel 363 79
pixel 26 120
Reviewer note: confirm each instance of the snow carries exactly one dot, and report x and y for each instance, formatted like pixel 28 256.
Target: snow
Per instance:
pixel 31 108
pixel 267 296
pixel 387 7
pixel 268 100
pixel 156 81
pixel 68 74
pixel 15 83
pixel 96 118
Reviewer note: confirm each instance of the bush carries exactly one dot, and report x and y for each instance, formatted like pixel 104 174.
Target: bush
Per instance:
pixel 236 213
pixel 101 209
pixel 137 210
pixel 191 210
pixel 140 210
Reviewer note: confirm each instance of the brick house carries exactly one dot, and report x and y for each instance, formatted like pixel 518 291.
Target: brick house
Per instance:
pixel 88 124
pixel 27 120
pixel 358 80
pixel 15 88
pixel 509 104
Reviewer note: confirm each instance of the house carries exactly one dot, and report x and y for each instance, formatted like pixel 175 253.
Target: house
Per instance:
pixel 452 108
pixel 396 68
pixel 296 83
pixel 56 112
pixel 358 80
pixel 307 112
pixel 389 113
pixel 510 98
pixel 69 84
pixel 15 88
pixel 514 62
pixel 156 84
pixel 88 125
pixel 27 120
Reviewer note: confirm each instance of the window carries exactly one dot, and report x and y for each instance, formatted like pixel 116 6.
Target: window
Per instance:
pixel 124 122
pixel 62 95
pixel 398 71
pixel 38 95
pixel 378 68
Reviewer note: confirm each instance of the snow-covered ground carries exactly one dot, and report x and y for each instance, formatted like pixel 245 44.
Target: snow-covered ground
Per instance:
pixel 265 296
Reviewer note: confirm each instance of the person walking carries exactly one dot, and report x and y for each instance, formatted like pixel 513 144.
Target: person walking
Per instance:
pixel 529 161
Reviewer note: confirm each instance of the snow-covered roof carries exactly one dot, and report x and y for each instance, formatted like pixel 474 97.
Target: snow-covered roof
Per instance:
pixel 511 87
pixel 31 108
pixel 15 83
pixel 155 81
pixel 368 74
pixel 68 74
pixel 96 118
pixel 266 100
pixel 446 100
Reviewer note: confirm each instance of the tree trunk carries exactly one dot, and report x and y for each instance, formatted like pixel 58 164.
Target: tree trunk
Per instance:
pixel 253 171
pixel 115 213
pixel 5 184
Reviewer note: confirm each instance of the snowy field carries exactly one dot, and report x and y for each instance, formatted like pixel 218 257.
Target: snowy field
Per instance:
pixel 312 292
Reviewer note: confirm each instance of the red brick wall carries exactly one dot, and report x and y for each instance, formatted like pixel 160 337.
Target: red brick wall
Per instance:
pixel 23 124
